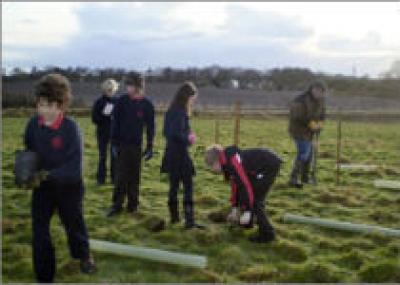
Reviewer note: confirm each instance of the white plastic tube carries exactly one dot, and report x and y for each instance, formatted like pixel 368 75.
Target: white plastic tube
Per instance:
pixel 364 167
pixel 149 253
pixel 344 226
pixel 387 184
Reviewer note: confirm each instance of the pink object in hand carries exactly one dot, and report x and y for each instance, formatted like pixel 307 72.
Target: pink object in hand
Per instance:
pixel 192 138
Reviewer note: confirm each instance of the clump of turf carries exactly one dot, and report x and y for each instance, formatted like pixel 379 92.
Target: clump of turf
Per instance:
pixel 231 258
pixel 154 223
pixel 218 216
pixel 383 271
pixel 207 236
pixel 258 273
pixel 207 199
pixel 354 259
pixel 315 273
pixel 290 251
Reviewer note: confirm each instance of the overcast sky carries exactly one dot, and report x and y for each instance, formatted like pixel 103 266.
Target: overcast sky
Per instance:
pixel 328 37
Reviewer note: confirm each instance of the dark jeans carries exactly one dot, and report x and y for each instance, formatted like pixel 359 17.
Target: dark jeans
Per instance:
pixel 103 143
pixel 261 188
pixel 67 199
pixel 304 150
pixel 128 167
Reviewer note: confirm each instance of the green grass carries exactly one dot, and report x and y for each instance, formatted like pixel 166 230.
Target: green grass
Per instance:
pixel 301 253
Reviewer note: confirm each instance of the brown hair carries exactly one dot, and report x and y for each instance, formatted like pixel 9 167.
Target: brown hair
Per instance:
pixel 54 87
pixel 181 99
pixel 211 155
pixel 317 84
pixel 135 79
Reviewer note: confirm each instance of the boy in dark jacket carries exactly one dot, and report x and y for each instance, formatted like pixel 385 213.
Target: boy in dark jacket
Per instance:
pixel 307 115
pixel 101 117
pixel 132 112
pixel 251 173
pixel 57 141
pixel 176 161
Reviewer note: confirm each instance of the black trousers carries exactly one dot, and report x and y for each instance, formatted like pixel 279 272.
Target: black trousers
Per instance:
pixel 261 187
pixel 104 145
pixel 188 207
pixel 128 168
pixel 67 199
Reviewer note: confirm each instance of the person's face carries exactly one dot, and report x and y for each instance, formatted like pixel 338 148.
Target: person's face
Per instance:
pixel 48 110
pixel 134 91
pixel 216 167
pixel 192 99
pixel 109 92
pixel 317 93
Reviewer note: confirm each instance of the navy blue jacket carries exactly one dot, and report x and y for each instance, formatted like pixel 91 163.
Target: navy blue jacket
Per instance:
pixel 243 167
pixel 128 120
pixel 176 160
pixel 101 120
pixel 59 147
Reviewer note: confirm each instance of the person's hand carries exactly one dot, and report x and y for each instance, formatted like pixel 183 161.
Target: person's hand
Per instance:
pixel 245 218
pixel 36 179
pixel 233 216
pixel 192 138
pixel 148 154
pixel 315 126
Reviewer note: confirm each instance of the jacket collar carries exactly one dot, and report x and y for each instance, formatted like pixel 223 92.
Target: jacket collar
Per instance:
pixel 222 157
pixel 55 125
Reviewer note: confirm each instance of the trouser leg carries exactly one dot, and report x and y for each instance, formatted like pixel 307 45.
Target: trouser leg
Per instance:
pixel 188 200
pixel 44 263
pixel 173 198
pixel 134 168
pixel 102 142
pixel 70 210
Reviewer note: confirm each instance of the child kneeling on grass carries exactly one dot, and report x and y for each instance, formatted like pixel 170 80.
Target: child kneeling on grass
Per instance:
pixel 251 173
pixel 57 141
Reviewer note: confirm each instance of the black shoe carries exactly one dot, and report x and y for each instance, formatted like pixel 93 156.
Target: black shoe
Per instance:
pixel 262 238
pixel 297 185
pixel 87 266
pixel 131 210
pixel 112 212
pixel 194 226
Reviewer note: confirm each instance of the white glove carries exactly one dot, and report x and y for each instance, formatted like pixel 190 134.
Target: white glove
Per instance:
pixel 245 218
pixel 233 216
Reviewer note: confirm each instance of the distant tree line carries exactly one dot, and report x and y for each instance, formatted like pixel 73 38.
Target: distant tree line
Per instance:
pixel 277 79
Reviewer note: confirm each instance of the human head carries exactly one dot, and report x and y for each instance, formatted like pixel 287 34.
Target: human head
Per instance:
pixel 109 87
pixel 185 97
pixel 53 94
pixel 135 82
pixel 211 157
pixel 317 90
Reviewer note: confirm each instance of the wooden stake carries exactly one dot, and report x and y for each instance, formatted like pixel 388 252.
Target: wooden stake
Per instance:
pixel 216 134
pixel 338 149
pixel 236 139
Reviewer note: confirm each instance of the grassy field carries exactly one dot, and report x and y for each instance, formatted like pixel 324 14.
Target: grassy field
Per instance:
pixel 300 254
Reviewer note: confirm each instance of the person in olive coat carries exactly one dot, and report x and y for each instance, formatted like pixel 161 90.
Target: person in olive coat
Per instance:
pixel 307 114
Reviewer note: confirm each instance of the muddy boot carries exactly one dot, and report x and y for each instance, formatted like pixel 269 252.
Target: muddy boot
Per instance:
pixel 174 212
pixel 297 167
pixel 189 218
